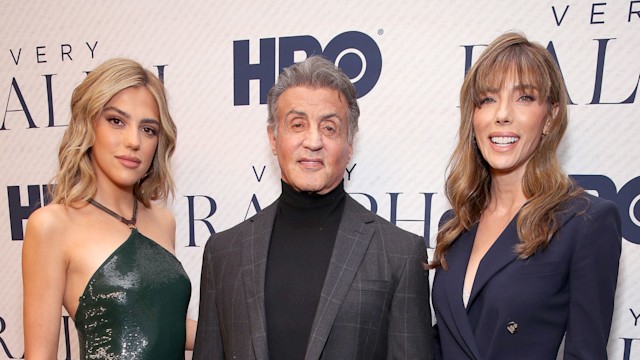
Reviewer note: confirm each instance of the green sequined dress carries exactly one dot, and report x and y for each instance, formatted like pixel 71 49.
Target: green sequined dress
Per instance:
pixel 135 305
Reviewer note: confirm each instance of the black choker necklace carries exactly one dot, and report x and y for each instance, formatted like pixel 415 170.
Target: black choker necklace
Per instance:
pixel 130 223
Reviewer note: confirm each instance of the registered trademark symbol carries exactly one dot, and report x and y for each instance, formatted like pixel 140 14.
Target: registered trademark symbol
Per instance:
pixel 380 31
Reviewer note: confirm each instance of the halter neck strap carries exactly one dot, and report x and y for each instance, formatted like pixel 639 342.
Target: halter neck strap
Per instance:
pixel 130 223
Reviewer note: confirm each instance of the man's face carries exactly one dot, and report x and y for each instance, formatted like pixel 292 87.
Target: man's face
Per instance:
pixel 311 141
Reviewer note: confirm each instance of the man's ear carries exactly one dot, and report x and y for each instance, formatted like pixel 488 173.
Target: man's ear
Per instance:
pixel 272 140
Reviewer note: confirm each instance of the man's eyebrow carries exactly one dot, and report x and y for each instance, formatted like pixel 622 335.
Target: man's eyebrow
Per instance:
pixel 323 117
pixel 296 112
pixel 331 115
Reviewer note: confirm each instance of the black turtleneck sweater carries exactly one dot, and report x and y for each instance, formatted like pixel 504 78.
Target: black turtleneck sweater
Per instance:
pixel 304 232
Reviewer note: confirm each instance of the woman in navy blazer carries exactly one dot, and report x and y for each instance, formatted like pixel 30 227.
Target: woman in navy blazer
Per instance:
pixel 525 257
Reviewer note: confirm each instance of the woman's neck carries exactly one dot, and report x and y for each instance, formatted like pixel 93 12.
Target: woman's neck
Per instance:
pixel 507 195
pixel 115 198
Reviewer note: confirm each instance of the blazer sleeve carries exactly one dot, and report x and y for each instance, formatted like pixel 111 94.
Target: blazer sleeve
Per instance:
pixel 592 282
pixel 437 350
pixel 208 343
pixel 410 331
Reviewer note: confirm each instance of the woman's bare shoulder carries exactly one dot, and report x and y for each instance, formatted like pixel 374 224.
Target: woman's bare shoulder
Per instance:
pixel 162 215
pixel 48 233
pixel 49 219
pixel 160 225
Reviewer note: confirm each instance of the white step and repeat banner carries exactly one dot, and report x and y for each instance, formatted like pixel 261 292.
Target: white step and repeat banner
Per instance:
pixel 218 60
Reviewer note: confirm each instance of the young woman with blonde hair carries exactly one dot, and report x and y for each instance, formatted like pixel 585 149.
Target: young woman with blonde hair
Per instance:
pixel 127 292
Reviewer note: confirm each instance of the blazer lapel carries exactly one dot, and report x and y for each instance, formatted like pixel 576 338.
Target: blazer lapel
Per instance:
pixel 351 245
pixel 457 258
pixel 500 254
pixel 255 248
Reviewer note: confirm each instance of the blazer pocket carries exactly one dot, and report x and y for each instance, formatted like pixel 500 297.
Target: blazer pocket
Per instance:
pixel 526 268
pixel 366 304
pixel 371 285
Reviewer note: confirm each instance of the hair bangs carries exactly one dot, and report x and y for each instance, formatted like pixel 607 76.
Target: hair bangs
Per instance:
pixel 525 68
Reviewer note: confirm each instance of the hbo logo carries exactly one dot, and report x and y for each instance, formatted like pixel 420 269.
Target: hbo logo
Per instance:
pixel 627 199
pixel 356 53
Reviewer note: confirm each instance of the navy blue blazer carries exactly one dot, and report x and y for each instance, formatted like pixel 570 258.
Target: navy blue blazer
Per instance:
pixel 521 309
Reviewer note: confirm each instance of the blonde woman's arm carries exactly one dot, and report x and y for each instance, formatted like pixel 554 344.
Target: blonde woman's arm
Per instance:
pixel 44 275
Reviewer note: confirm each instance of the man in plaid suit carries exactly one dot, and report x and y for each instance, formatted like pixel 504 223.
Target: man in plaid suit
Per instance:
pixel 314 275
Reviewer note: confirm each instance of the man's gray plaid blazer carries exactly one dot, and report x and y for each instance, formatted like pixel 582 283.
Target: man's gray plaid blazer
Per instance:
pixel 374 302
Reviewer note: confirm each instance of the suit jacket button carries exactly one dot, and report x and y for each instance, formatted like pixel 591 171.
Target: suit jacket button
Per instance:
pixel 512 327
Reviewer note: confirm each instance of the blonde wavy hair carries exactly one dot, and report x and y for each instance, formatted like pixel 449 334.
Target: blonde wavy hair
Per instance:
pixel 545 185
pixel 76 178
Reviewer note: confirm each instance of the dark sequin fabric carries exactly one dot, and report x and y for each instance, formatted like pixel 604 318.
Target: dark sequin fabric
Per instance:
pixel 135 305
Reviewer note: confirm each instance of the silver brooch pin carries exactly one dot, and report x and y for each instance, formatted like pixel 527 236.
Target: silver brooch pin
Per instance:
pixel 512 327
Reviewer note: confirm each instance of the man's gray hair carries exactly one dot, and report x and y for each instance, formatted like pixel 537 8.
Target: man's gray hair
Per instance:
pixel 314 72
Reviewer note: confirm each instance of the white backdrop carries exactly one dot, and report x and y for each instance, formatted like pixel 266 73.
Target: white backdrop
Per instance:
pixel 223 166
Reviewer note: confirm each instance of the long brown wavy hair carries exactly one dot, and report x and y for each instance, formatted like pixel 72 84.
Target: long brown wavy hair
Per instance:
pixel 76 178
pixel 545 185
